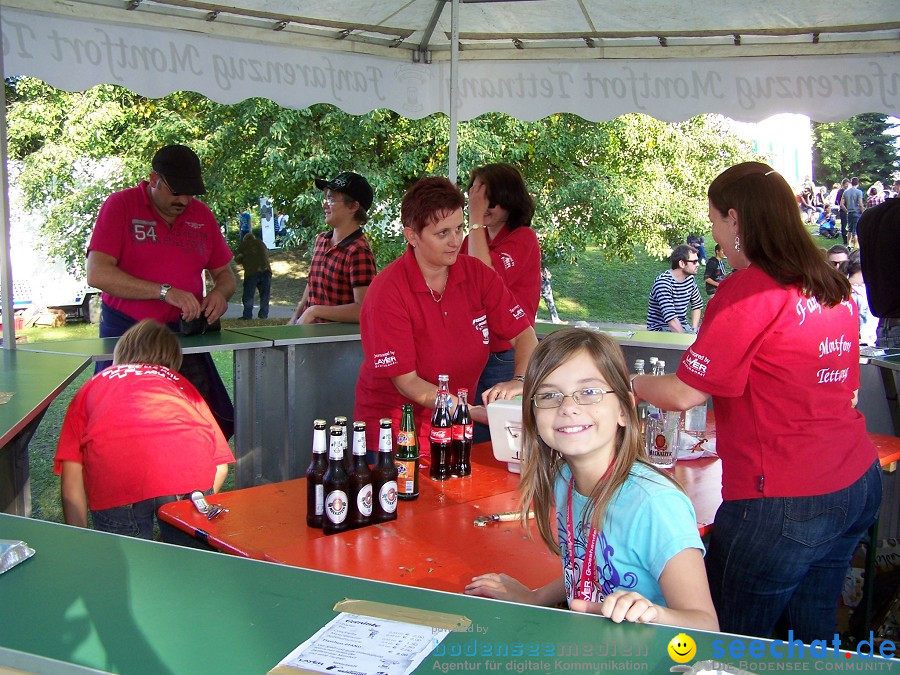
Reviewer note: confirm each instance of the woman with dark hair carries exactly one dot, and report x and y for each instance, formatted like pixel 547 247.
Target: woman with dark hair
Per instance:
pixel 433 312
pixel 500 235
pixel 778 353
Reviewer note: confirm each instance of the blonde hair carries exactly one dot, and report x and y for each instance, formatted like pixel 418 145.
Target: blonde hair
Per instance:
pixel 541 463
pixel 148 341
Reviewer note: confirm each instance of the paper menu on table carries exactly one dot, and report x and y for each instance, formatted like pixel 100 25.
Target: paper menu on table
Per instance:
pixel 354 643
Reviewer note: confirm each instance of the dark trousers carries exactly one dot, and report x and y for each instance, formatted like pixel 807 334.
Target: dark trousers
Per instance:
pixel 781 561
pixel 198 369
pixel 261 281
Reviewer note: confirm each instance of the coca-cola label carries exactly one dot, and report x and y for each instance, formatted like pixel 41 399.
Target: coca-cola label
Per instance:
pixel 441 435
pixel 387 496
pixel 462 432
pixel 336 506
pixel 364 500
pixel 320 499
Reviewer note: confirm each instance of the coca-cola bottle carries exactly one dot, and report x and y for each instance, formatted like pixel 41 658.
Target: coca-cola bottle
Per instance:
pixel 360 480
pixel 315 473
pixel 461 447
pixel 441 431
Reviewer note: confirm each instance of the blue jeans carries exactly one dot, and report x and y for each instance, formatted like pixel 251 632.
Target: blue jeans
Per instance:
pixel 501 367
pixel 263 282
pixel 782 560
pixel 136 520
pixel 852 221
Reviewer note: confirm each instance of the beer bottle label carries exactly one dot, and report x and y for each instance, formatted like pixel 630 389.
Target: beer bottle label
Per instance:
pixel 462 432
pixel 440 435
pixel 387 496
pixel 336 506
pixel 320 499
pixel 364 500
pixel 406 476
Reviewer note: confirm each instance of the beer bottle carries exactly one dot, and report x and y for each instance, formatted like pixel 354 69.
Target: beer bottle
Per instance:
pixel 360 480
pixel 407 456
pixel 315 497
pixel 441 431
pixel 642 406
pixel 341 421
pixel 461 432
pixel 384 476
pixel 335 486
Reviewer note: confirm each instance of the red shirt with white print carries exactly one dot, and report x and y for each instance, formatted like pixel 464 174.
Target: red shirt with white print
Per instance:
pixel 516 257
pixel 781 369
pixel 404 329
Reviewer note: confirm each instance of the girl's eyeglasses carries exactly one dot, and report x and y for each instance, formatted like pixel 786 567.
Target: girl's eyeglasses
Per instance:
pixel 554 399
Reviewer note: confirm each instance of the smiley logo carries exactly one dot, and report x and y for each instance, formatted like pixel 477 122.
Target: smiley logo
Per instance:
pixel 682 648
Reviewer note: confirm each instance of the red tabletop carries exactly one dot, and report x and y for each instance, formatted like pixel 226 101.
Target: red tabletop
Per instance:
pixel 264 517
pixel 433 543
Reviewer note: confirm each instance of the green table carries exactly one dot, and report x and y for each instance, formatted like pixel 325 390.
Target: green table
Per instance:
pixel 127 605
pixel 34 381
pixel 101 349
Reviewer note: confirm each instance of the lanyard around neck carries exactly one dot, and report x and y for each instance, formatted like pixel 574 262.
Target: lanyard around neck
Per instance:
pixel 587 582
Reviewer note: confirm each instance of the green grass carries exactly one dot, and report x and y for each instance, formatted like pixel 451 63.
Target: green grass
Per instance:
pixel 605 290
pixel 597 289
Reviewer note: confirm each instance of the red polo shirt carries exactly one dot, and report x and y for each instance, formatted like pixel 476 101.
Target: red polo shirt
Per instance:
pixel 140 432
pixel 403 329
pixel 781 369
pixel 516 257
pixel 131 230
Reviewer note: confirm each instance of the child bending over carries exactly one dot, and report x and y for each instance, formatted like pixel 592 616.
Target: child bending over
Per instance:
pixel 138 435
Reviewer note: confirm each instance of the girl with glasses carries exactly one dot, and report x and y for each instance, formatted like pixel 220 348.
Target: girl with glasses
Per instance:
pixel 626 533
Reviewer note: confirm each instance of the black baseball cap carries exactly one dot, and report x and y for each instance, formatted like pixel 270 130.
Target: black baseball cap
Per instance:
pixel 351 184
pixel 180 166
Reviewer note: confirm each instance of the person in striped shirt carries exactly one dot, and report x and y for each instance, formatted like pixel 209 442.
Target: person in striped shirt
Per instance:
pixel 673 292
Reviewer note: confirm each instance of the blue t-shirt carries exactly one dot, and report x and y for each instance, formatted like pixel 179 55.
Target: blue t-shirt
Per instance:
pixel 648 521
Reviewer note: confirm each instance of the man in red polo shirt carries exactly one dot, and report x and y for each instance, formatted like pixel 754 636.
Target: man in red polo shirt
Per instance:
pixel 148 252
pixel 342 265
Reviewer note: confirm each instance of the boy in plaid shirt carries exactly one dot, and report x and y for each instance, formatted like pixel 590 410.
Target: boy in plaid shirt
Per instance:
pixel 342 265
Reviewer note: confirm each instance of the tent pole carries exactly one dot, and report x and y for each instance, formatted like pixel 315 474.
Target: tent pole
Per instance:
pixel 454 88
pixel 6 287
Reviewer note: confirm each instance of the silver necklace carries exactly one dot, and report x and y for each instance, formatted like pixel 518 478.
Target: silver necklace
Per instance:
pixel 439 296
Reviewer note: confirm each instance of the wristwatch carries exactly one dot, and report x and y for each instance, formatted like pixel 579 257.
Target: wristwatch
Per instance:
pixel 472 228
pixel 165 288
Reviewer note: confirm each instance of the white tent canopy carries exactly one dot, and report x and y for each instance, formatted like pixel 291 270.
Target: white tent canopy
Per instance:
pixel 598 58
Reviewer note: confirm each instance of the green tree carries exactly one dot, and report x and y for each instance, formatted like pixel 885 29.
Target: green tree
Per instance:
pixel 633 182
pixel 861 146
